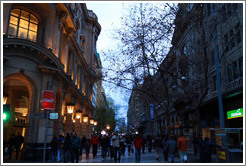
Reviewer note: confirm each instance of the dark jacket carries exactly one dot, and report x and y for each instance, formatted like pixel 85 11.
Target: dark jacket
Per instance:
pixel 75 143
pixel 54 144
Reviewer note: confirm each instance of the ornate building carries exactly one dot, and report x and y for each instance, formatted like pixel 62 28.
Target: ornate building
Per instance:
pixel 49 46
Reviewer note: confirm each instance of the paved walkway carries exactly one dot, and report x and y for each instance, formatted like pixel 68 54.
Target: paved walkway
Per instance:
pixel 147 157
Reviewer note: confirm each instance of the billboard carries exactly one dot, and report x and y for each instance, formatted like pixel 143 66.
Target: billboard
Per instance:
pixel 235 113
pixel 48 99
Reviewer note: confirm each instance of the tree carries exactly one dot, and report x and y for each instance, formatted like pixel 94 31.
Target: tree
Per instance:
pixel 105 114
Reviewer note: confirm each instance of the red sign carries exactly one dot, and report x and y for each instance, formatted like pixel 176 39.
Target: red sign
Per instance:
pixel 48 99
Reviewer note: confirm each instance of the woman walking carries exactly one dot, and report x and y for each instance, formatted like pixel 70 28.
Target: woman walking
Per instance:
pixel 165 148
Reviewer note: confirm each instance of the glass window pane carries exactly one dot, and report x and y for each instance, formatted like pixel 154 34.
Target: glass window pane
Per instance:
pixel 33 19
pixel 15 12
pixel 32 36
pixel 24 15
pixel 22 33
pixel 24 23
pixel 12 30
pixel 33 27
pixel 13 20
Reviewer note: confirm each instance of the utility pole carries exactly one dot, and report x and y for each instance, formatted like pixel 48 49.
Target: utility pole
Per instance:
pixel 221 110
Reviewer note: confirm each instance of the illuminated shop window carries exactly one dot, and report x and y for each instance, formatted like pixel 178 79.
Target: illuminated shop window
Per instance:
pixel 23 25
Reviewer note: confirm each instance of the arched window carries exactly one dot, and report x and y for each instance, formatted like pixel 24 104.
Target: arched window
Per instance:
pixel 23 25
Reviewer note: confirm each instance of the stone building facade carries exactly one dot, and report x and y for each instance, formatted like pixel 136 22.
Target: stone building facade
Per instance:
pixel 49 46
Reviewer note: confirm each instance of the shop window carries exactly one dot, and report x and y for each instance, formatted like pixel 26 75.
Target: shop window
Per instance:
pixel 23 25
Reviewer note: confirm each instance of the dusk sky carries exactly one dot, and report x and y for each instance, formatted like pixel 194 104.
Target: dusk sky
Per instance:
pixel 109 14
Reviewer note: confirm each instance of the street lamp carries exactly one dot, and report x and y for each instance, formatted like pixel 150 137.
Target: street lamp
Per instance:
pixel 108 127
pixel 78 114
pixel 95 123
pixel 91 121
pixel 85 119
pixel 70 108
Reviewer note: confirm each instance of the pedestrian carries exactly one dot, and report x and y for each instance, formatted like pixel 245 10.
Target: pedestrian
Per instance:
pixel 66 148
pixel 83 142
pixel 200 142
pixel 19 140
pixel 60 147
pixel 107 146
pixel 165 150
pixel 129 143
pixel 11 145
pixel 195 144
pixel 172 148
pixel 111 146
pixel 87 148
pixel 182 147
pixel 123 146
pixel 116 146
pixel 207 149
pixel 104 146
pixel 54 148
pixel 144 143
pixel 158 147
pixel 138 143
pixel 94 143
pixel 75 147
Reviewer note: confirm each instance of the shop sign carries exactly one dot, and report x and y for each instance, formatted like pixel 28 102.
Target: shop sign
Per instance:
pixel 53 115
pixel 235 113
pixel 48 99
pixel 221 155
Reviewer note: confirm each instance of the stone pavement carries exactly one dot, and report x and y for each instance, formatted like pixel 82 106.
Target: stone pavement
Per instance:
pixel 147 157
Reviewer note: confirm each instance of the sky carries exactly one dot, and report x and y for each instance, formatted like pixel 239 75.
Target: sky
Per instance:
pixel 109 16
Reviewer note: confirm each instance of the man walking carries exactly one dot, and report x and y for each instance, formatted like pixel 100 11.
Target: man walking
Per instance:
pixel 19 140
pixel 94 143
pixel 182 147
pixel 75 146
pixel 116 146
pixel 138 143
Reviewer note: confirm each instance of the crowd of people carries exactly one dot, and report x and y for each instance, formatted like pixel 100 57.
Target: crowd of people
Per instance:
pixel 71 148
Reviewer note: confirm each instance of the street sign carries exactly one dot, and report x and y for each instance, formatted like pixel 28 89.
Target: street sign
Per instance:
pixel 235 113
pixel 53 115
pixel 48 99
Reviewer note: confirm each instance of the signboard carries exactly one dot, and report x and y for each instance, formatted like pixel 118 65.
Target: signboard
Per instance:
pixel 235 113
pixel 221 155
pixel 48 99
pixel 53 115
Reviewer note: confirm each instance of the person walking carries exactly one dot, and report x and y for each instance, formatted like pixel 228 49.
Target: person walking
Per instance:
pixel 19 140
pixel 182 147
pixel 172 148
pixel 94 143
pixel 138 143
pixel 158 147
pixel 11 145
pixel 123 146
pixel 116 146
pixel 75 146
pixel 60 149
pixel 87 148
pixel 165 148
pixel 66 148
pixel 144 143
pixel 83 142
pixel 107 146
pixel 54 148
pixel 207 150
pixel 104 146
pixel 129 143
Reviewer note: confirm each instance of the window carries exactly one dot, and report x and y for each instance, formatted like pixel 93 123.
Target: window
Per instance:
pixel 229 73
pixel 240 66
pixel 23 25
pixel 235 70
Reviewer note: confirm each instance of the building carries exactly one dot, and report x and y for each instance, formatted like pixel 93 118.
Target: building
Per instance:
pixel 49 46
pixel 186 83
